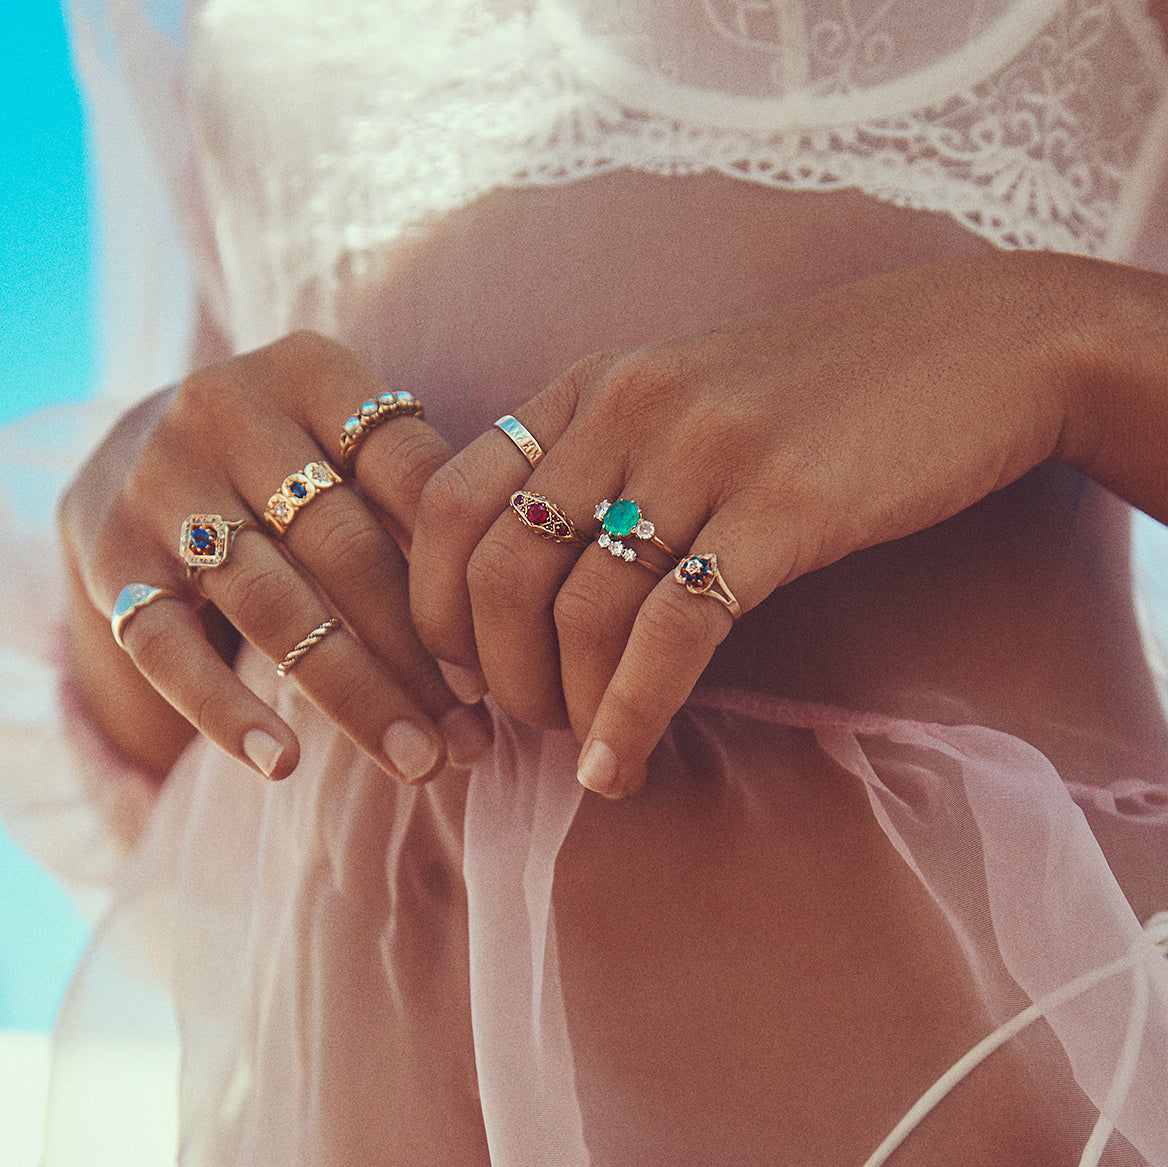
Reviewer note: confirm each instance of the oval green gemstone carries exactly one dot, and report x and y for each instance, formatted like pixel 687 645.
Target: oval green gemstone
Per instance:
pixel 622 517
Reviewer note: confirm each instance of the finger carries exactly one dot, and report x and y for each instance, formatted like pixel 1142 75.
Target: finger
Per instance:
pixel 355 565
pixel 329 389
pixel 168 645
pixel 274 607
pixel 672 640
pixel 596 607
pixel 461 502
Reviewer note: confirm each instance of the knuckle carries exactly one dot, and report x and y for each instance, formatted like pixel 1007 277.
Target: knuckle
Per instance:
pixel 152 650
pixel 356 549
pixel 581 605
pixel 255 598
pixel 671 617
pixel 214 712
pixel 310 352
pixel 201 395
pixel 445 498
pixel 349 697
pixel 399 459
pixel 496 574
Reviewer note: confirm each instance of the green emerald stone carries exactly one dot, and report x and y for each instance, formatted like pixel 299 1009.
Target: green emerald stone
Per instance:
pixel 622 517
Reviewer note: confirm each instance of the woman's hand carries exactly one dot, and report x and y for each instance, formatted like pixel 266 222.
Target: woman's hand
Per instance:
pixel 779 443
pixel 222 443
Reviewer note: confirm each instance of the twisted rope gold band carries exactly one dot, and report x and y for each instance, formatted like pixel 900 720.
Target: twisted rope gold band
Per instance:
pixel 305 646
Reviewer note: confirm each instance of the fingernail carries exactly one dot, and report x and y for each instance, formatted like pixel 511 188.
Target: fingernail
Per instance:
pixel 467 737
pixel 412 752
pixel 262 750
pixel 598 769
pixel 468 685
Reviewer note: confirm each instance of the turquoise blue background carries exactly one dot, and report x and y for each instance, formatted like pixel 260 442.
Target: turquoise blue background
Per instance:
pixel 45 355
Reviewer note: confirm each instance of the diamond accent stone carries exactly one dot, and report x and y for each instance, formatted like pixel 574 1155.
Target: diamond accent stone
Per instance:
pixel 282 510
pixel 644 529
pixel 604 539
pixel 320 474
pixel 601 510
pixel 629 554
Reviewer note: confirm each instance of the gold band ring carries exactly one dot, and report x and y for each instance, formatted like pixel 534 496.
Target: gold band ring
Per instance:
pixel 373 413
pixel 523 438
pixel 699 575
pixel 623 518
pixel 206 540
pixel 296 491
pixel 131 600
pixel 304 646
pixel 541 515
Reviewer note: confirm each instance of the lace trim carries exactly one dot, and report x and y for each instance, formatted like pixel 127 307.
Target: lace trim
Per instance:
pixel 1057 150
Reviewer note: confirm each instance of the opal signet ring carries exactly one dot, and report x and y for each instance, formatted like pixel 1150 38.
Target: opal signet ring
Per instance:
pixel 523 438
pixel 131 600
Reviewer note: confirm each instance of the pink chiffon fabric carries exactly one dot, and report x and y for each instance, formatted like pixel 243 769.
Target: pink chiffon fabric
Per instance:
pixel 312 943
pixel 811 915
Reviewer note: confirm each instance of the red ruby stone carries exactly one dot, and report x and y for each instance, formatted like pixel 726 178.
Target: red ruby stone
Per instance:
pixel 537 513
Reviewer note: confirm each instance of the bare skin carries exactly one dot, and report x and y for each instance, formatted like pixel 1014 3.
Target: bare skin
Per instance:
pixel 885 460
pixel 988 368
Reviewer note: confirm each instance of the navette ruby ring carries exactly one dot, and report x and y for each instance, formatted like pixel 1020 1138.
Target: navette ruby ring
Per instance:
pixel 542 515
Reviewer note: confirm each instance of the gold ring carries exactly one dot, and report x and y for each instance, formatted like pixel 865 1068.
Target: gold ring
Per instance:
pixel 296 491
pixel 523 438
pixel 131 600
pixel 305 645
pixel 623 518
pixel 540 515
pixel 699 575
pixel 206 540
pixel 373 413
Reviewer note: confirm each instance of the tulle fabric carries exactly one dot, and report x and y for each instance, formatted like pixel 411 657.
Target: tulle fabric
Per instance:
pixel 314 941
pixel 341 971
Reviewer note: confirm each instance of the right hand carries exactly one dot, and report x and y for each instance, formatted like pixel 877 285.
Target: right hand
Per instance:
pixel 221 443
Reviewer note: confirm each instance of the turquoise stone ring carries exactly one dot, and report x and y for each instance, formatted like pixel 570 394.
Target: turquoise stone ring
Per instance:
pixel 621 519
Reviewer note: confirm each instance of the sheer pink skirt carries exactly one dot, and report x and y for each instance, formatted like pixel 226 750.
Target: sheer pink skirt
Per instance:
pixel 806 921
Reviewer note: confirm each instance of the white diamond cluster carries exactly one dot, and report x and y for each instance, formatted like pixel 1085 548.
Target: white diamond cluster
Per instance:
pixel 616 547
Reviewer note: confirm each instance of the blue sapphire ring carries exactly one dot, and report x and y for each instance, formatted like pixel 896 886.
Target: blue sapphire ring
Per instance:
pixel 699 575
pixel 296 491
pixel 206 540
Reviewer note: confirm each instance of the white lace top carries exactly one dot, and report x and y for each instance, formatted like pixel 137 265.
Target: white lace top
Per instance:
pixel 1023 119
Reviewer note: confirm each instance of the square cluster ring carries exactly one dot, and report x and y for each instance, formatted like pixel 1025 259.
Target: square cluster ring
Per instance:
pixel 205 541
pixel 296 491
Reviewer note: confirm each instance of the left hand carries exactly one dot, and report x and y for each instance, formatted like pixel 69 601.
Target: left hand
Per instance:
pixel 781 443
